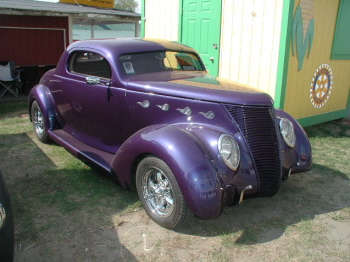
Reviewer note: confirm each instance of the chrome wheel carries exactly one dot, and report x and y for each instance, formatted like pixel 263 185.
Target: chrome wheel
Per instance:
pixel 160 193
pixel 157 192
pixel 38 121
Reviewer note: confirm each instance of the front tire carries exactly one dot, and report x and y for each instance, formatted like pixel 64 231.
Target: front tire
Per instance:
pixel 39 123
pixel 160 194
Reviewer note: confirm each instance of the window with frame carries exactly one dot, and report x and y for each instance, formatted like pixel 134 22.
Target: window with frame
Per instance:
pixel 341 46
pixel 152 62
pixel 89 63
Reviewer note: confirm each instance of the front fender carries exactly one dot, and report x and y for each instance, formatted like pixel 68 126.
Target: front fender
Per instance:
pixel 41 94
pixel 196 176
pixel 298 158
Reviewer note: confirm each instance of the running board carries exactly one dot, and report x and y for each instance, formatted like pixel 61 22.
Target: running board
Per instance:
pixel 82 151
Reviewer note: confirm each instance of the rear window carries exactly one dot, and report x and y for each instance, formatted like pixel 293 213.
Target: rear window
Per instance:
pixel 151 62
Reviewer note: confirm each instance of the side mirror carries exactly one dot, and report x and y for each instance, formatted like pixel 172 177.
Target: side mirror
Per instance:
pixel 93 80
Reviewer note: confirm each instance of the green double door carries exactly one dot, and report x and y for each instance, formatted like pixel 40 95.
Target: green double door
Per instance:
pixel 201 25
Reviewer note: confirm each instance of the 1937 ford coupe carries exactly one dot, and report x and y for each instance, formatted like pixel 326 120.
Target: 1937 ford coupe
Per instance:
pixel 147 112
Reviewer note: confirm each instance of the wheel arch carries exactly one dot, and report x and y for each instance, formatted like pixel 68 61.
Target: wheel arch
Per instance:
pixel 193 171
pixel 40 94
pixel 135 164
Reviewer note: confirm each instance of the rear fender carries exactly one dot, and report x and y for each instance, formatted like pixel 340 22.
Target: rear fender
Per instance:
pixel 196 176
pixel 41 94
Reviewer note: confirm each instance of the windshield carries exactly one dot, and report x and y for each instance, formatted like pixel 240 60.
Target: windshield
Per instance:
pixel 143 63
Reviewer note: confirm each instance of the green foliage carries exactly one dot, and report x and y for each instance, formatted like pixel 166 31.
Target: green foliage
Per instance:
pixel 126 5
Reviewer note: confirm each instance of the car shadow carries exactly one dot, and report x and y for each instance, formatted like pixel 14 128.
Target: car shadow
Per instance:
pixel 58 212
pixel 258 220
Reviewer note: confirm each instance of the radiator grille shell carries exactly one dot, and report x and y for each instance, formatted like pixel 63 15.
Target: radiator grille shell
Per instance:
pixel 258 126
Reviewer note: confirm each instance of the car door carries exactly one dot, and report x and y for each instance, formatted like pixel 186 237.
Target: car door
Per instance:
pixel 89 107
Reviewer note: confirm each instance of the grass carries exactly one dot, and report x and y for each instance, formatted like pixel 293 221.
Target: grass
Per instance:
pixel 8 109
pixel 62 206
pixel 45 181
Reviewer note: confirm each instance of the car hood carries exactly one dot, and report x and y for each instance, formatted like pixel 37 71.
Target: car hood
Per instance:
pixel 199 86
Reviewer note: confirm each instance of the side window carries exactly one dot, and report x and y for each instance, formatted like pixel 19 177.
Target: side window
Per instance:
pixel 89 63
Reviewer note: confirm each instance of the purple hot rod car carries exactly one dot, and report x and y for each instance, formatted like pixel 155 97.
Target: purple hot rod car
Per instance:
pixel 147 112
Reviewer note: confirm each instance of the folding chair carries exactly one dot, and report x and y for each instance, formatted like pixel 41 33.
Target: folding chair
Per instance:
pixel 9 78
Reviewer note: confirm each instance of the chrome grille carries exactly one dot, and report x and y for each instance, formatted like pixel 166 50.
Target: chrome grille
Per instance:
pixel 257 124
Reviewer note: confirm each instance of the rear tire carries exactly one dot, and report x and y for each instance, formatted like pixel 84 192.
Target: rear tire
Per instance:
pixel 160 194
pixel 39 123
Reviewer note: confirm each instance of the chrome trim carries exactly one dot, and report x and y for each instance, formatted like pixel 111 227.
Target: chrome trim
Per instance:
pixel 186 111
pixel 209 114
pixel 227 163
pixel 38 120
pixel 158 192
pixel 164 107
pixel 93 80
pixel 282 131
pixel 2 215
pixel 144 104
pixel 242 193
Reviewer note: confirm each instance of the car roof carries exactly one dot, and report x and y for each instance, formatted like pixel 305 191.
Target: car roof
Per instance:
pixel 118 46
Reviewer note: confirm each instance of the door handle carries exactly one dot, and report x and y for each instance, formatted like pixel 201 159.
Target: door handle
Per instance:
pixel 211 59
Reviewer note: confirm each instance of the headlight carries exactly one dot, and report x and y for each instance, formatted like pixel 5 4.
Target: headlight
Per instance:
pixel 229 150
pixel 287 131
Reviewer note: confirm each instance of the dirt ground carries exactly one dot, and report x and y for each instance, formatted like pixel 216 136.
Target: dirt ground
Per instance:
pixel 279 228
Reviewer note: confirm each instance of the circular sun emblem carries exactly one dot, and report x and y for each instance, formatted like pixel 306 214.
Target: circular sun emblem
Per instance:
pixel 321 86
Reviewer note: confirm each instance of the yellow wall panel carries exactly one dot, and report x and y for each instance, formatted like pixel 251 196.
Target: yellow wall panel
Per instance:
pixel 299 82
